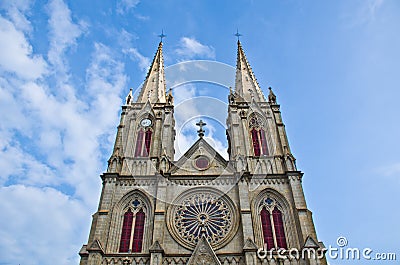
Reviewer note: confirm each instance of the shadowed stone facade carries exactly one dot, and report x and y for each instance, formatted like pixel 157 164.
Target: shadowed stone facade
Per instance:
pixel 201 209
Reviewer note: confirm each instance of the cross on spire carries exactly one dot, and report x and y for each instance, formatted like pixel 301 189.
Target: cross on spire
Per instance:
pixel 201 131
pixel 237 34
pixel 162 35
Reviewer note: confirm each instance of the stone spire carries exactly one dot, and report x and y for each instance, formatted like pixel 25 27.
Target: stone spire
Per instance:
pixel 153 88
pixel 247 87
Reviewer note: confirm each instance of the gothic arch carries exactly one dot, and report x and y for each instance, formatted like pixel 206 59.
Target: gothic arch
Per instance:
pixel 241 164
pixel 270 168
pixel 290 164
pixel 134 201
pixel 259 132
pixel 283 206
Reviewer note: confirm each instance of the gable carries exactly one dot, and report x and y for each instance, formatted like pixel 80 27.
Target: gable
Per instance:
pixel 203 254
pixel 310 243
pixel 201 159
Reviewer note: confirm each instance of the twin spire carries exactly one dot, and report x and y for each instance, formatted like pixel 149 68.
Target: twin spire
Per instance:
pixel 246 84
pixel 154 87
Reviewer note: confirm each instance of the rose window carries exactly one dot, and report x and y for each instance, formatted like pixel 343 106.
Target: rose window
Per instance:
pixel 203 212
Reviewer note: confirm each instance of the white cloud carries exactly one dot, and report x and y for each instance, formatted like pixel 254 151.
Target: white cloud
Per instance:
pixel 124 38
pixel 42 225
pixel 210 137
pixel 51 139
pixel 392 171
pixel 23 167
pixel 373 6
pixel 124 6
pixel 190 48
pixel 189 108
pixel 63 35
pixel 62 132
pixel 363 13
pixel 141 17
pixel 17 55
pixel 144 62
pixel 16 11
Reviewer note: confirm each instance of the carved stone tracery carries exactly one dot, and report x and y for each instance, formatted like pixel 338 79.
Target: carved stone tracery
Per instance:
pixel 200 212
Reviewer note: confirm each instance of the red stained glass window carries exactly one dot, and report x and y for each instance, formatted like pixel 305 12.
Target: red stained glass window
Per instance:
pixel 139 144
pixel 147 142
pixel 256 142
pixel 279 229
pixel 138 232
pixel 267 229
pixel 263 142
pixel 126 231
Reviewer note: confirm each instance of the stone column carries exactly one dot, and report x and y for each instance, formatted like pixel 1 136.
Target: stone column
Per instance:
pixel 245 210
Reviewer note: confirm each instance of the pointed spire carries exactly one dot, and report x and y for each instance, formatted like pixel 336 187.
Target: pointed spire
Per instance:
pixel 153 88
pixel 246 83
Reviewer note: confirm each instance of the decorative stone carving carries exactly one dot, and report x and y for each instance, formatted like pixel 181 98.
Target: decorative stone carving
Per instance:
pixel 203 211
pixel 203 254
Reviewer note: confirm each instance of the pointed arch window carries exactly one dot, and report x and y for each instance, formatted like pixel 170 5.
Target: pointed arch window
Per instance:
pixel 133 227
pixel 143 142
pixel 279 229
pixel 267 229
pixel 256 142
pixel 126 231
pixel 263 141
pixel 147 141
pixel 272 225
pixel 259 141
pixel 138 232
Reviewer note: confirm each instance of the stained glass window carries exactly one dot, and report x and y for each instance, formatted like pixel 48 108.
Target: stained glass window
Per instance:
pixel 259 140
pixel 143 143
pixel 138 232
pixel 126 231
pixel 263 142
pixel 279 229
pixel 139 143
pixel 256 142
pixel 147 142
pixel 267 229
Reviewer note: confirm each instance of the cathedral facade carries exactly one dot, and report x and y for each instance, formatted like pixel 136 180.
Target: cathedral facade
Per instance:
pixel 202 208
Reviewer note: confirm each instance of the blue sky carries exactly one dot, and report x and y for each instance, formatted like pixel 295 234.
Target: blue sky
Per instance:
pixel 66 66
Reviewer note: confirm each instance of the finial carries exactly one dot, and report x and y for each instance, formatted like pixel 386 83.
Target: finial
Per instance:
pixel 169 97
pixel 238 35
pixel 271 96
pixel 128 98
pixel 162 35
pixel 201 131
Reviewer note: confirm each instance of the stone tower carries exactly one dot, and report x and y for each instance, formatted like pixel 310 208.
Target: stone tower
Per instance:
pixel 201 209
